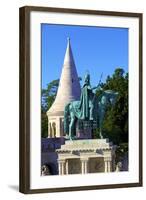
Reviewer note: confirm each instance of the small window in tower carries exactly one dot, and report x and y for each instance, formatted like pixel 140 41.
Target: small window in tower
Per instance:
pixel 72 80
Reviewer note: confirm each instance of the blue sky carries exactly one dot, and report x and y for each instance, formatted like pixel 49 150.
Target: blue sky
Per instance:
pixel 96 49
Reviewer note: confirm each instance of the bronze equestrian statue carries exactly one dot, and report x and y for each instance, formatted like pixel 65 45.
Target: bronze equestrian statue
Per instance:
pixel 89 108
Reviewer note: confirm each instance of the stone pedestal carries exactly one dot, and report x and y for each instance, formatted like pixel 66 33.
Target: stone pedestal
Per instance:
pixel 86 156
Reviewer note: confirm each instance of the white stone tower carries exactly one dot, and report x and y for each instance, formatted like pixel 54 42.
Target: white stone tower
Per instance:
pixel 69 90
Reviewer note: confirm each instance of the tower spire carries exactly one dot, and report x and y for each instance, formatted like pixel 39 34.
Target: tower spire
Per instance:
pixel 69 86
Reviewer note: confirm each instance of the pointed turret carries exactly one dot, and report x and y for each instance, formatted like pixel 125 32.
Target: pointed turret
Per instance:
pixel 69 87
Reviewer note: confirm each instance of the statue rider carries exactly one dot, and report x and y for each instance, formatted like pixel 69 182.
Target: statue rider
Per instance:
pixel 87 100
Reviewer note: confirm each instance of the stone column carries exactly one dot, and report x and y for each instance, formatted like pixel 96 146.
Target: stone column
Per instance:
pixel 113 163
pixel 107 164
pixel 61 167
pixel 58 131
pixel 84 165
pixel 66 167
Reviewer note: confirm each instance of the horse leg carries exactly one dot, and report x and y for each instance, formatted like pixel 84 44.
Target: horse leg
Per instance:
pixel 91 112
pixel 100 133
pixel 101 118
pixel 72 127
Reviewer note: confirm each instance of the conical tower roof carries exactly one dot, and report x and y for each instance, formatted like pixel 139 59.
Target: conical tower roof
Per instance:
pixel 69 87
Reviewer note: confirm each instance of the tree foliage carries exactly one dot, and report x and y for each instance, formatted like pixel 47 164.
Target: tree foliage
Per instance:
pixel 48 97
pixel 49 94
pixel 115 125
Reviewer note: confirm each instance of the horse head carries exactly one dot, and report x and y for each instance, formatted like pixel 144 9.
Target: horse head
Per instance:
pixel 110 96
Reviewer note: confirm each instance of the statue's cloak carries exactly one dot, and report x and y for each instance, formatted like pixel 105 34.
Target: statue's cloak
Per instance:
pixel 81 108
pixel 84 103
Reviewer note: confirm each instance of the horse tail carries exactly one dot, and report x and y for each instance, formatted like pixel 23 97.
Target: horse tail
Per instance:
pixel 66 119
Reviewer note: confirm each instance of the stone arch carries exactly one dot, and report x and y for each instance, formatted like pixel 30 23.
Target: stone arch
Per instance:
pixel 50 129
pixel 96 164
pixel 62 127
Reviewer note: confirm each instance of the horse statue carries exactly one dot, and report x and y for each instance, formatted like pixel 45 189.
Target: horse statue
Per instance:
pixel 107 98
pixel 89 108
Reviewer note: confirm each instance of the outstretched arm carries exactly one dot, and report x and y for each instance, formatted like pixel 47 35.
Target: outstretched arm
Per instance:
pixel 97 87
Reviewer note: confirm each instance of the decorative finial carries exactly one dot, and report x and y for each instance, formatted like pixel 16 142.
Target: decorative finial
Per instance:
pixel 68 38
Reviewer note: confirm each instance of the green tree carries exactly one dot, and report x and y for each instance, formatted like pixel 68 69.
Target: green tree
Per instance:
pixel 48 97
pixel 115 124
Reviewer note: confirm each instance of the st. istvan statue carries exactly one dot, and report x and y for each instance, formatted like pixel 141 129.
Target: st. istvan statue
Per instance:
pixel 90 107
